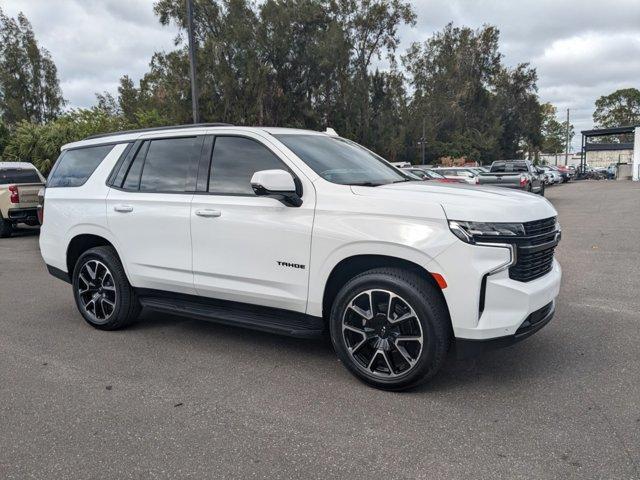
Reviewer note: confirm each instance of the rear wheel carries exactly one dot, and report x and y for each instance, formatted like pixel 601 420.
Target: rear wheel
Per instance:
pixel 390 328
pixel 6 228
pixel 102 291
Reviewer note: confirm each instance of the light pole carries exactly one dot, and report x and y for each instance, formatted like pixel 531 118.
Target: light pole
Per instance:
pixel 423 141
pixel 566 151
pixel 192 62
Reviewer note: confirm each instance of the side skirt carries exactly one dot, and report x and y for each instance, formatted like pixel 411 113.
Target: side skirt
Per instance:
pixel 266 319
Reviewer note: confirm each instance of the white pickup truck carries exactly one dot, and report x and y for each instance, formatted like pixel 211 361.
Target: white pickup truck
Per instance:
pixel 20 183
pixel 299 233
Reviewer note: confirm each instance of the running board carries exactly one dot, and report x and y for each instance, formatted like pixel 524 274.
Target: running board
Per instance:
pixel 266 319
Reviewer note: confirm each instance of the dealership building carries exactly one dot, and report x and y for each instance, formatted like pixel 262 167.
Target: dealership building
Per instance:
pixel 619 146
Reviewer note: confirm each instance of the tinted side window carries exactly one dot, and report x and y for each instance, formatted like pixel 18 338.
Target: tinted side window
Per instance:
pixel 74 167
pixel 19 175
pixel 167 163
pixel 235 160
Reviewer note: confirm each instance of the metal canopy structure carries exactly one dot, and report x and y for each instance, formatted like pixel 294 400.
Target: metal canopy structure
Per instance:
pixel 604 132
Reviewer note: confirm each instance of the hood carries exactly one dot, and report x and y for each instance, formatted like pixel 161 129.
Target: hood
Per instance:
pixel 469 202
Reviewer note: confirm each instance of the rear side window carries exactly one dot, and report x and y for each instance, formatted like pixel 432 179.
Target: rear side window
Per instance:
pixel 167 163
pixel 19 175
pixel 235 160
pixel 74 167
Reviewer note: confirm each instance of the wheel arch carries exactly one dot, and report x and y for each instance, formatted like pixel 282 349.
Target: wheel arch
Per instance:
pixel 83 242
pixel 354 265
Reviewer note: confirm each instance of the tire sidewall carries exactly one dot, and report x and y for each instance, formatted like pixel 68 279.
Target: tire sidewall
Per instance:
pixel 426 316
pixel 121 293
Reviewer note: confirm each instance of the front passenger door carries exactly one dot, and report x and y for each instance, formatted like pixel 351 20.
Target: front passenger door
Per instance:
pixel 248 248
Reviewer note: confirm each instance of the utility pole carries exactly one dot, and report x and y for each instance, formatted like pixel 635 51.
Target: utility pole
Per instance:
pixel 566 151
pixel 423 139
pixel 192 61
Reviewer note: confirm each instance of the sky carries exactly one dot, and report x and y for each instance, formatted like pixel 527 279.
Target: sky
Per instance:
pixel 582 49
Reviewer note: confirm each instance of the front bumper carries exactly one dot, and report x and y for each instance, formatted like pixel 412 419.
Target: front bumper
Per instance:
pixel 466 348
pixel 487 306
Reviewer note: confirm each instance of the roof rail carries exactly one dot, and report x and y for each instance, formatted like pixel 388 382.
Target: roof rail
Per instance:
pixel 158 129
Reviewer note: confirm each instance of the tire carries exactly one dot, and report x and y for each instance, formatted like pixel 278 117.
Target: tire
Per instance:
pixel 373 355
pixel 6 228
pixel 105 300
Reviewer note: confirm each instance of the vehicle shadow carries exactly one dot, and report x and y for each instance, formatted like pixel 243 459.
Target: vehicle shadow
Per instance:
pixel 504 368
pixel 24 231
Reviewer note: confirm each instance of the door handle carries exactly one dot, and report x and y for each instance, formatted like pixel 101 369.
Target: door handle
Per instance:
pixel 123 208
pixel 209 213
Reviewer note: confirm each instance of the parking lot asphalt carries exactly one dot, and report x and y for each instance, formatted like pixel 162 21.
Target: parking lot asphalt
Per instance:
pixel 176 398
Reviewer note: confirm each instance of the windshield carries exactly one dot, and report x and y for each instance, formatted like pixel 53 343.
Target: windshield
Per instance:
pixel 433 174
pixel 338 160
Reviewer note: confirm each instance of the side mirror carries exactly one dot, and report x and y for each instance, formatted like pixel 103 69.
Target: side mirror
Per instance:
pixel 278 184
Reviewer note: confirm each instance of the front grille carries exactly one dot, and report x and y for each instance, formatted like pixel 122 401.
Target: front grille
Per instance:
pixel 532 265
pixel 538 227
pixel 535 250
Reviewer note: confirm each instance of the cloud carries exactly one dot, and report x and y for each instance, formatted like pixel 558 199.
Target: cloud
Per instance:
pixel 582 49
pixel 95 42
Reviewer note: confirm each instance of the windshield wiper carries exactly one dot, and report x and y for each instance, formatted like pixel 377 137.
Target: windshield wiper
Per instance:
pixel 366 184
pixel 403 180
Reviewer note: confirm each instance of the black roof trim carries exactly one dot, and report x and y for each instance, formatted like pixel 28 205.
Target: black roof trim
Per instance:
pixel 596 147
pixel 601 132
pixel 158 129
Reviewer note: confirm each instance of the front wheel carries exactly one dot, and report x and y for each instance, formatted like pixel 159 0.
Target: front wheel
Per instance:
pixel 102 291
pixel 391 328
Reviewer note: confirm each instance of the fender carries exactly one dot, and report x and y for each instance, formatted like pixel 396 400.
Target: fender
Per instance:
pixel 319 274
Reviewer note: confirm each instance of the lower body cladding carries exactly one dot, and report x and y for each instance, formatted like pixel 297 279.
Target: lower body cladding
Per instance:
pixel 488 308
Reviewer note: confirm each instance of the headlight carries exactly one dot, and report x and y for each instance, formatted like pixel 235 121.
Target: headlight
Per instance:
pixel 472 232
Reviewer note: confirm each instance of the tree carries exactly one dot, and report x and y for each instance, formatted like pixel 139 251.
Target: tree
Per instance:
pixel 452 75
pixel 618 109
pixel 519 110
pixel 29 87
pixel 553 132
pixel 40 143
pixel 4 136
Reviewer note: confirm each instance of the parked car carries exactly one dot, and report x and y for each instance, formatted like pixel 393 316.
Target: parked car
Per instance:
pixel 566 173
pixel 554 175
pixel 19 186
pixel 464 175
pixel 429 174
pixel 298 232
pixel 518 174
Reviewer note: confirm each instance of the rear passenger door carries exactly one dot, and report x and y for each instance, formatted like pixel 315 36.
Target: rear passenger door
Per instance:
pixel 248 248
pixel 148 211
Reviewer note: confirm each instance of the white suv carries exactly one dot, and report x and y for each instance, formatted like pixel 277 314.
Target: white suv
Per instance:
pixel 298 232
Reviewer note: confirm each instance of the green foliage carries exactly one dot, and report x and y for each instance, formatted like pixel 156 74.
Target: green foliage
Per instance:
pixel 553 132
pixel 618 109
pixel 29 88
pixel 472 106
pixel 297 63
pixel 40 143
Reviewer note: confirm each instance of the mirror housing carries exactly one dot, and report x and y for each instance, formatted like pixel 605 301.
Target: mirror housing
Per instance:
pixel 278 184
